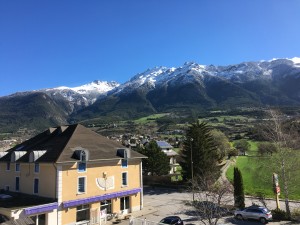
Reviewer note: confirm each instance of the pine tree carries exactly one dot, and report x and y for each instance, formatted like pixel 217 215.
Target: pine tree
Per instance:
pixel 239 196
pixel 157 162
pixel 199 151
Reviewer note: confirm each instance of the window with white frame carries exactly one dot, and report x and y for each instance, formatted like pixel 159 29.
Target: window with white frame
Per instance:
pixel 106 205
pixel 81 185
pixel 39 219
pixel 124 163
pixel 124 203
pixel 17 167
pixel 82 213
pixel 124 179
pixel 81 166
pixel 36 167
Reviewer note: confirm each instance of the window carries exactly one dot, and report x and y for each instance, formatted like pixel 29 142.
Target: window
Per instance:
pixel 17 187
pixel 82 156
pixel 106 205
pixel 36 186
pixel 8 166
pixel 17 167
pixel 124 163
pixel 124 179
pixel 81 184
pixel 83 213
pixel 81 167
pixel 124 203
pixel 39 219
pixel 36 168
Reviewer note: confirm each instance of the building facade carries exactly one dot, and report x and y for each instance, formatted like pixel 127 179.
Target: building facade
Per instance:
pixel 172 155
pixel 69 175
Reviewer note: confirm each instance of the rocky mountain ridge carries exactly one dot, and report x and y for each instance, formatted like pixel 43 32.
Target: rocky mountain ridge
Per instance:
pixel 190 87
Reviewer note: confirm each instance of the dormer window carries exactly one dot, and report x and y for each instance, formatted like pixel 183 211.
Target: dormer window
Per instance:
pixel 35 155
pixel 124 163
pixel 83 156
pixel 16 155
pixel 81 165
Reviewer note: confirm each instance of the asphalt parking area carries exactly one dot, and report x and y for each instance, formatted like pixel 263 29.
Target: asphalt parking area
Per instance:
pixel 168 202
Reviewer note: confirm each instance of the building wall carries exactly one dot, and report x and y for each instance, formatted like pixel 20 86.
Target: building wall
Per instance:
pixel 70 177
pixel 46 176
pixel 96 170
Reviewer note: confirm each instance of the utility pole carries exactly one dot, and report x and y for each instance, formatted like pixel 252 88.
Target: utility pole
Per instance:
pixel 192 169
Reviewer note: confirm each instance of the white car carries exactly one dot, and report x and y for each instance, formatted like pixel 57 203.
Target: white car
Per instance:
pixel 259 213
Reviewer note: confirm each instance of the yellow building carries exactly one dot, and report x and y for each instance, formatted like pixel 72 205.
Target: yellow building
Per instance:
pixel 69 175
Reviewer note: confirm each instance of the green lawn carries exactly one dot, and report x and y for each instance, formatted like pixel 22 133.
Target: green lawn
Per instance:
pixel 149 118
pixel 259 181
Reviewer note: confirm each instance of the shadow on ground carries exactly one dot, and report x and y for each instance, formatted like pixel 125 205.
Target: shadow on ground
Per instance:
pixel 152 190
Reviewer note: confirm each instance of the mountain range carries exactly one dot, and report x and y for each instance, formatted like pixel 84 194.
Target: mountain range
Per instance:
pixel 191 87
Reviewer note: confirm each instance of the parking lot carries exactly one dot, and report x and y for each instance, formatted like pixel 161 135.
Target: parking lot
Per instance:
pixel 161 202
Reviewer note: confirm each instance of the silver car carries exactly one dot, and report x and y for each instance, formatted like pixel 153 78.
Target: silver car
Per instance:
pixel 259 213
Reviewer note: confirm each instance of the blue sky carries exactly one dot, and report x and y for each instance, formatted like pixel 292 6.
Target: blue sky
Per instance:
pixel 52 43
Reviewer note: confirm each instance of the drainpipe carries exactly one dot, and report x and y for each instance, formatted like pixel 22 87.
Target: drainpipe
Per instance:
pixel 142 188
pixel 56 189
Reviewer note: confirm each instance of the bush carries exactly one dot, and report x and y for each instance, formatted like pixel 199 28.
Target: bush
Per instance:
pixel 232 152
pixel 279 214
pixel 296 214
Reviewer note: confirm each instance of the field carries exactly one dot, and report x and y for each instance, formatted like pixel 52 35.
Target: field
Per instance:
pixel 235 126
pixel 256 182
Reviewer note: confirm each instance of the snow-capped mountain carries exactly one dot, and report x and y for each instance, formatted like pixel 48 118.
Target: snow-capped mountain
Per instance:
pixel 82 96
pixel 191 87
pixel 191 71
pixel 273 82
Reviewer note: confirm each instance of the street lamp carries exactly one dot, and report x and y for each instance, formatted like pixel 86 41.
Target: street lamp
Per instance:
pixel 192 168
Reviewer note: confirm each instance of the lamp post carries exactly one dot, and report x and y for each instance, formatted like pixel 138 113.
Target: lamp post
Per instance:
pixel 192 168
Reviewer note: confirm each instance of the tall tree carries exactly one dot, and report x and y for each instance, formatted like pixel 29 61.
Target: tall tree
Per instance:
pixel 284 161
pixel 157 162
pixel 242 145
pixel 239 196
pixel 222 143
pixel 210 202
pixel 266 148
pixel 199 153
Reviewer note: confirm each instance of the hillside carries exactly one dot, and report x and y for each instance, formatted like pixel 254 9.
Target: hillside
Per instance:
pixel 184 91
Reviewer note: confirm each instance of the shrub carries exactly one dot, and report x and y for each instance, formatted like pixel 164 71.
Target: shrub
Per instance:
pixel 296 214
pixel 279 214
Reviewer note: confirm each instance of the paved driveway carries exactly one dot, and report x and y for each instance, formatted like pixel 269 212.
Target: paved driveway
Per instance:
pixel 161 202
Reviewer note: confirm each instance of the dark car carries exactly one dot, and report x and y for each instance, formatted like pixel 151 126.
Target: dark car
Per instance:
pixel 259 213
pixel 3 218
pixel 176 220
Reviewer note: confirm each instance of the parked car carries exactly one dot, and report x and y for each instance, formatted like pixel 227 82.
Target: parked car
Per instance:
pixel 174 220
pixel 259 213
pixel 3 218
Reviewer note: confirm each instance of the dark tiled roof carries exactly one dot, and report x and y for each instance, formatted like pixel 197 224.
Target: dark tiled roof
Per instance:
pixel 61 142
pixel 21 200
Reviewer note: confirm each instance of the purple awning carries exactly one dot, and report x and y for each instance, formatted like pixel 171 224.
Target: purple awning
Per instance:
pixel 99 198
pixel 41 208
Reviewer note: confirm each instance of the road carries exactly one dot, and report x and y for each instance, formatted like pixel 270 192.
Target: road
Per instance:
pixel 161 202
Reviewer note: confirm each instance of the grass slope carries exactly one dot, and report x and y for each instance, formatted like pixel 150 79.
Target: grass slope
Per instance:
pixel 254 184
